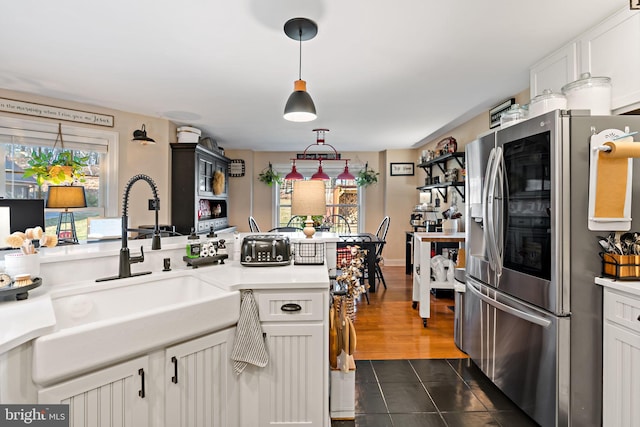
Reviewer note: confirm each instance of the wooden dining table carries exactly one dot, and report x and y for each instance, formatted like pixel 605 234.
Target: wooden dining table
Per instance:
pixel 369 243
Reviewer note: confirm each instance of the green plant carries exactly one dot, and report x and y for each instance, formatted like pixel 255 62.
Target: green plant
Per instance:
pixel 269 176
pixel 366 176
pixel 56 169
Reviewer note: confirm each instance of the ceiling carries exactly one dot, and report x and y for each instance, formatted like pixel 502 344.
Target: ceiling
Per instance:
pixel 382 74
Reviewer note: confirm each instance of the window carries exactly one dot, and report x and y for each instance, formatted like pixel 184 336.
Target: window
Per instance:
pixel 20 138
pixel 342 199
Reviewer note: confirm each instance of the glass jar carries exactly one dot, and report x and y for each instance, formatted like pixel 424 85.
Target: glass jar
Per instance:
pixel 589 93
pixel 547 101
pixel 512 116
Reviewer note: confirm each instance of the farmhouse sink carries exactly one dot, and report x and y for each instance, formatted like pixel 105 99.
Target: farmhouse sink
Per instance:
pixel 100 323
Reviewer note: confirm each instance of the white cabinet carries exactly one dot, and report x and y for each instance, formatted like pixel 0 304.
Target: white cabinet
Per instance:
pixel 621 359
pixel 111 396
pixel 292 390
pixel 201 388
pixel 612 49
pixel 555 70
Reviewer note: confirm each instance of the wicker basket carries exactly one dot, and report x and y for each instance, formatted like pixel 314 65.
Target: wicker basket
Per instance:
pixel 625 267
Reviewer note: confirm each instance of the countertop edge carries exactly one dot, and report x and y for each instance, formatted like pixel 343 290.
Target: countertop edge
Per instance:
pixel 628 286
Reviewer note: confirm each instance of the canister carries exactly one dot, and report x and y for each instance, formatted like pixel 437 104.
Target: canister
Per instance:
pixel 589 93
pixel 547 101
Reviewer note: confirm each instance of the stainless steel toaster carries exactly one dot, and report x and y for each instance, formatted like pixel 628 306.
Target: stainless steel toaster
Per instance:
pixel 265 250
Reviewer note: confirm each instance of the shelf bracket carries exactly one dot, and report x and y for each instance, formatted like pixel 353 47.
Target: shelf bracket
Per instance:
pixel 443 193
pixel 461 193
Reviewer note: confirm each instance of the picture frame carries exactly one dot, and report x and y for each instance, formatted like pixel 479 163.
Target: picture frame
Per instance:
pixel 634 4
pixel 402 169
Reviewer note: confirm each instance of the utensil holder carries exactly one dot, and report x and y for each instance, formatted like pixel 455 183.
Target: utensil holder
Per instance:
pixel 19 263
pixel 621 267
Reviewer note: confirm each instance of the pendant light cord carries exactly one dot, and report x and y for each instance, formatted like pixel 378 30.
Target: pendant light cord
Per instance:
pixel 300 56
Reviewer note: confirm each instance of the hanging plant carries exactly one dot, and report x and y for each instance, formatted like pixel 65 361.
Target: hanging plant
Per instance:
pixel 269 176
pixel 366 176
pixel 56 169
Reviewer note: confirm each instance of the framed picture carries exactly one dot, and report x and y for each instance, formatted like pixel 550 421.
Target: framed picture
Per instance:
pixel 402 169
pixel 634 4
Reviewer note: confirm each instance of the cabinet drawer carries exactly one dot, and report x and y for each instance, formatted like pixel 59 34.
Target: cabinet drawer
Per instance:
pixel 287 307
pixel 621 309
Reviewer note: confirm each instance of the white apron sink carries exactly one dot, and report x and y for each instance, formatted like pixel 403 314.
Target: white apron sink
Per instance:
pixel 101 323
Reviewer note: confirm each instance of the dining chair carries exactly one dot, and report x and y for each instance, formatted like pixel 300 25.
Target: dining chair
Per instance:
pixel 297 221
pixel 253 225
pixel 381 234
pixel 337 224
pixel 285 230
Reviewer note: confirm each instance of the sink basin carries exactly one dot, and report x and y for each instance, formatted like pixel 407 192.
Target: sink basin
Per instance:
pixel 100 323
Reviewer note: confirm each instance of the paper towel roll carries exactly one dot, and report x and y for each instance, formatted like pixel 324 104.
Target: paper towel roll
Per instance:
pixel 611 182
pixel 622 149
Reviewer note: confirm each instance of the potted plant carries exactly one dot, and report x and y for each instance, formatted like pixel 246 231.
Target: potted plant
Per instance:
pixel 366 176
pixel 55 169
pixel 269 176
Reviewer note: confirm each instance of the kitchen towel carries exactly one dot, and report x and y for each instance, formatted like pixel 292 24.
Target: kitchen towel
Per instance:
pixel 249 345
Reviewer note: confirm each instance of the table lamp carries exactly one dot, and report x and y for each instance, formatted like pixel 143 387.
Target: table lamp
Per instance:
pixel 309 198
pixel 65 197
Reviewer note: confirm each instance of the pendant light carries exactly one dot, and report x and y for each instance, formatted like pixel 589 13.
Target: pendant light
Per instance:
pixel 346 174
pixel 294 174
pixel 300 107
pixel 320 175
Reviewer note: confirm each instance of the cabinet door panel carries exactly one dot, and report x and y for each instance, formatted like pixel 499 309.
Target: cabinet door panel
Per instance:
pixel 106 397
pixel 554 71
pixel 203 393
pixel 291 385
pixel 612 49
pixel 621 377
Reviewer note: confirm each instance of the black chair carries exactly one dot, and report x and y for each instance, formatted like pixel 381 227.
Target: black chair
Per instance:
pixel 253 225
pixel 285 230
pixel 297 221
pixel 381 234
pixel 337 224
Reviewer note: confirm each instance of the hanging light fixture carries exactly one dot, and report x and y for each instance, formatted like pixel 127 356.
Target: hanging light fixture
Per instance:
pixel 320 174
pixel 300 107
pixel 346 174
pixel 332 155
pixel 294 174
pixel 140 135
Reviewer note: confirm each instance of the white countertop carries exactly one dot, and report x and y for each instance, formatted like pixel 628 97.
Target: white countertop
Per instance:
pixel 27 319
pixel 628 286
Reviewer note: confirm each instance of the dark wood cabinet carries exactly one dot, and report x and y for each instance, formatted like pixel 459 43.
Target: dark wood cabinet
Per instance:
pixel 199 188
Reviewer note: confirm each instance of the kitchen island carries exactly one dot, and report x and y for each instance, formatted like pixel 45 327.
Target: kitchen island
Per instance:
pixel 156 373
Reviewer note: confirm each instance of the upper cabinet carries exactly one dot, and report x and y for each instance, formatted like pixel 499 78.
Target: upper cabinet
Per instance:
pixel 611 49
pixel 554 71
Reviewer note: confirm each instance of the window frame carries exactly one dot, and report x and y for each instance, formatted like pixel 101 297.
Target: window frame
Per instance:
pixel 17 127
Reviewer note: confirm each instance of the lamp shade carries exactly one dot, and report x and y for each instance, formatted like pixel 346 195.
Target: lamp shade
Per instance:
pixel 320 175
pixel 300 106
pixel 309 198
pixel 346 175
pixel 294 174
pixel 66 196
pixel 140 135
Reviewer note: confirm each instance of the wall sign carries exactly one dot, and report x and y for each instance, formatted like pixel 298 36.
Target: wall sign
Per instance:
pixel 496 112
pixel 634 4
pixel 402 169
pixel 57 113
pixel 236 168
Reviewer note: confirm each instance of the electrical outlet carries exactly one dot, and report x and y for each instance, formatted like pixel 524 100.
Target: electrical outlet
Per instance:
pixel 154 204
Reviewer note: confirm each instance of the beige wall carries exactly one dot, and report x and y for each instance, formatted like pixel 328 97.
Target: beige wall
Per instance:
pixel 133 158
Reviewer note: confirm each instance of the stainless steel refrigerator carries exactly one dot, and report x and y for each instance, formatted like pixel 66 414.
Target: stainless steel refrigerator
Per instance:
pixel 533 315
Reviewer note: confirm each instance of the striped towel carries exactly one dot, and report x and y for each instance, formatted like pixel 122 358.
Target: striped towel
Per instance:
pixel 249 345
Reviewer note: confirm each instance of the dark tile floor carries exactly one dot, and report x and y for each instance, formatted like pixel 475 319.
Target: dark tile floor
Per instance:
pixel 429 393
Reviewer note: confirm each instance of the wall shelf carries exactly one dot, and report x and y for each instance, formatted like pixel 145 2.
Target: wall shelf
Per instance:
pixel 441 162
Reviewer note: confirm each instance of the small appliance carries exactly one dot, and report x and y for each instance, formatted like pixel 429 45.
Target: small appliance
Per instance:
pixel 265 250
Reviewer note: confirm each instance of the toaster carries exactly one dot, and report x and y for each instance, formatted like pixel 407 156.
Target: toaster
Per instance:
pixel 265 250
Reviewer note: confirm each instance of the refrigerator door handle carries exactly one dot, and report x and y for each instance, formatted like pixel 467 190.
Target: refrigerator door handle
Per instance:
pixel 487 225
pixel 532 318
pixel 498 233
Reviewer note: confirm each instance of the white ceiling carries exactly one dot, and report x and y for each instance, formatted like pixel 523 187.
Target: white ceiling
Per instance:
pixel 383 74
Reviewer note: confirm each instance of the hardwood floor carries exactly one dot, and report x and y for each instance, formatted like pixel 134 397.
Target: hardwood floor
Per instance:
pixel 389 328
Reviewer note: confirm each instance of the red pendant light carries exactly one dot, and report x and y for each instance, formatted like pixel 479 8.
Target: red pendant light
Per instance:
pixel 294 174
pixel 320 175
pixel 346 174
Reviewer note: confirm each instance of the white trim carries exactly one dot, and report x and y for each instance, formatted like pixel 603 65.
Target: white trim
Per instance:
pixel 16 127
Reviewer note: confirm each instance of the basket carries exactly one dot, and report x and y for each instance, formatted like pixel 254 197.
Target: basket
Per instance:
pixel 622 267
pixel 308 253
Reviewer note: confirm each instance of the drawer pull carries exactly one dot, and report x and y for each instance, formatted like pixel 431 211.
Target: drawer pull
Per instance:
pixel 639 318
pixel 291 307
pixel 141 392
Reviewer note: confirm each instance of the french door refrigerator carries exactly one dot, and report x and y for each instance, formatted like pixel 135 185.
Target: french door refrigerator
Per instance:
pixel 533 315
